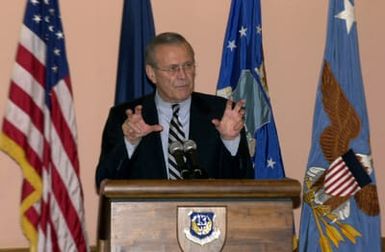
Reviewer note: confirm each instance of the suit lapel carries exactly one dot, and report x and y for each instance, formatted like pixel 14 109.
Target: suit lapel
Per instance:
pixel 199 119
pixel 154 144
pixel 150 115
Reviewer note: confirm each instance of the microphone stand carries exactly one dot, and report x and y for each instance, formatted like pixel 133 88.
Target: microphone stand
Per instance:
pixel 190 148
pixel 176 150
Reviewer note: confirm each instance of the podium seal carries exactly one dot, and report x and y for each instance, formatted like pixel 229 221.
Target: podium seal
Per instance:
pixel 200 227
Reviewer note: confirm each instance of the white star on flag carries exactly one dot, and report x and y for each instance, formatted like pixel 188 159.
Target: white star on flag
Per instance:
pixel 242 31
pixel 231 45
pixel 59 35
pixel 37 18
pixel 270 163
pixel 56 51
pixel 348 15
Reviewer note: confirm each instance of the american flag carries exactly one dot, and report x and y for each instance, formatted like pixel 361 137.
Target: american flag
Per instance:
pixel 39 133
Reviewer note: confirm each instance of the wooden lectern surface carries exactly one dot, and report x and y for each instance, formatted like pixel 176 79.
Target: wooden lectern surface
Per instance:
pixel 250 215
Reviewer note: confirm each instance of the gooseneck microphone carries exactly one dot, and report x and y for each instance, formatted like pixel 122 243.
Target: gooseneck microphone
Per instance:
pixel 176 150
pixel 190 148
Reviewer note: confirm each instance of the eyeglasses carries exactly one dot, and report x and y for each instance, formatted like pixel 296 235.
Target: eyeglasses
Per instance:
pixel 187 67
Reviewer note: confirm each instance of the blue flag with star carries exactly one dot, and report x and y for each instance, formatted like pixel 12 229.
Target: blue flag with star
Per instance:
pixel 242 76
pixel 341 209
pixel 136 32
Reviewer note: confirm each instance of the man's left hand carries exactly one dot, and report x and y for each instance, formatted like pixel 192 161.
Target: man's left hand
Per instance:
pixel 231 123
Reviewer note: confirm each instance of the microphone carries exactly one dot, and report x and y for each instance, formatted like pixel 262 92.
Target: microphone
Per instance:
pixel 190 148
pixel 176 150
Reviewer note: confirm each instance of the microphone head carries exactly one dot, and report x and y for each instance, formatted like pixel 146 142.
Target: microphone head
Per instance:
pixel 189 145
pixel 175 146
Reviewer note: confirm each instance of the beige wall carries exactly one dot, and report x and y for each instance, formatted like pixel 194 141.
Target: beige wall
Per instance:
pixel 294 39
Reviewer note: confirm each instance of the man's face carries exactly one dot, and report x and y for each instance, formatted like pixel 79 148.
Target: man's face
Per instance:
pixel 174 73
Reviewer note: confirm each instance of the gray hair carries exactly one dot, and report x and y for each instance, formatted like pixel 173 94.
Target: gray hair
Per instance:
pixel 166 38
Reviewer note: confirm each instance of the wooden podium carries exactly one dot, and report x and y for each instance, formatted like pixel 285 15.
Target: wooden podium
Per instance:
pixel 197 215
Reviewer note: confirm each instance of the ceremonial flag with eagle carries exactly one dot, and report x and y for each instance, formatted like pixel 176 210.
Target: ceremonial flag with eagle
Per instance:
pixel 341 209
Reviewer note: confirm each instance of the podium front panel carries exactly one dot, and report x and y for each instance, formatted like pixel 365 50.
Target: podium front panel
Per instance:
pixel 248 226
pixel 197 215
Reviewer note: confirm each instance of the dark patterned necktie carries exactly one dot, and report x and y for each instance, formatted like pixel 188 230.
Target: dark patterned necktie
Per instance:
pixel 176 134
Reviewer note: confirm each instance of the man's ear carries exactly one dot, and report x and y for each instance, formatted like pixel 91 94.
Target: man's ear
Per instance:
pixel 150 73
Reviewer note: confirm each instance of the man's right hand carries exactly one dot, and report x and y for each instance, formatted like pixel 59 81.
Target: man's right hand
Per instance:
pixel 134 127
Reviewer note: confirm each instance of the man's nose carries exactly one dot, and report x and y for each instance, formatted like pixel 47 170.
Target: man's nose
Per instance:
pixel 181 72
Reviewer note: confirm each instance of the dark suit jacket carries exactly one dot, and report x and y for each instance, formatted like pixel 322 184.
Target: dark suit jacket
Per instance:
pixel 148 161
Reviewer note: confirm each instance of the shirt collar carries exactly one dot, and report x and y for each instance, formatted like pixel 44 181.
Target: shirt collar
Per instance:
pixel 165 107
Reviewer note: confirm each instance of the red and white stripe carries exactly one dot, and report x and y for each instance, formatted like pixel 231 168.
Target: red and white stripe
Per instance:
pixel 43 142
pixel 339 181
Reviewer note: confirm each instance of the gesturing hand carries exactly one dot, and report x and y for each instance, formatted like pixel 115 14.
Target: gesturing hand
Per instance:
pixel 231 123
pixel 134 127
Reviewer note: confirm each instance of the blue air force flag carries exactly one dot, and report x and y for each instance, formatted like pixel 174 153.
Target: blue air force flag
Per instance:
pixel 340 210
pixel 242 76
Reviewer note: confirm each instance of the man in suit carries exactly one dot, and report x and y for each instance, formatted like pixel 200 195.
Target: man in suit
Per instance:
pixel 135 142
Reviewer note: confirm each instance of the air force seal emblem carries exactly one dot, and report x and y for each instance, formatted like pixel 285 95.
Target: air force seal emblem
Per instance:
pixel 202 229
